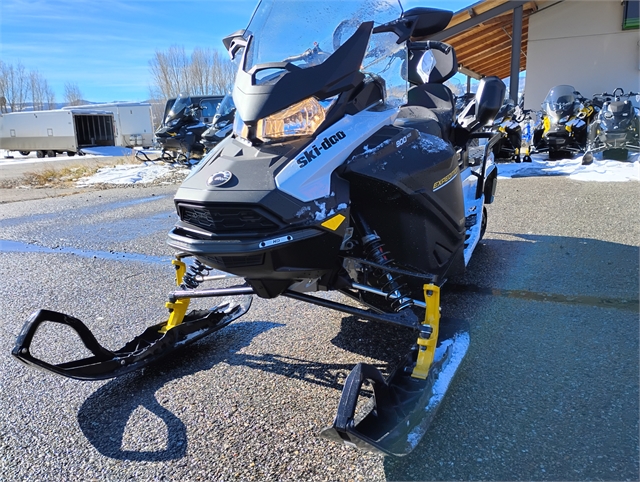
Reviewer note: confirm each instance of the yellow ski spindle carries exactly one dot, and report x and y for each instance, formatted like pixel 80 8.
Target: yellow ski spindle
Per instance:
pixel 181 269
pixel 427 344
pixel 177 309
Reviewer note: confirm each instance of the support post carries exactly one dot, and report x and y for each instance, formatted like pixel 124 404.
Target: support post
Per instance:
pixel 516 45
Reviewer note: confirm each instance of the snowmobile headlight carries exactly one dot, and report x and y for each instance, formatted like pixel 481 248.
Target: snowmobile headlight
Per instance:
pixel 301 119
pixel 564 119
pixel 173 122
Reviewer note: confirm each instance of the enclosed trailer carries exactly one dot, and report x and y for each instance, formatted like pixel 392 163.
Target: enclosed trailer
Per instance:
pixel 49 132
pixel 132 122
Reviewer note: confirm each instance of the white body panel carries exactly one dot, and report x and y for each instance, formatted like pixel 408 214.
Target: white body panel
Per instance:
pixel 39 130
pixel 132 122
pixel 473 206
pixel 313 180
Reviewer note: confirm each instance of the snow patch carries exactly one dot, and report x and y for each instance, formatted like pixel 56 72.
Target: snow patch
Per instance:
pixel 129 174
pixel 431 143
pixel 601 170
pixel 303 210
pixel 457 347
pixel 322 211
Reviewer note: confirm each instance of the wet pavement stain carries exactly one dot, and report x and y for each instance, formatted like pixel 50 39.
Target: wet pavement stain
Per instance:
pixel 7 246
pixel 615 303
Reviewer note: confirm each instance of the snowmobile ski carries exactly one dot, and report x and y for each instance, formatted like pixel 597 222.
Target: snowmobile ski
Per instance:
pixel 151 345
pixel 403 405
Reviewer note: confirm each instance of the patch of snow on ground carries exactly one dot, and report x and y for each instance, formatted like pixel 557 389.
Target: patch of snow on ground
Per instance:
pixel 603 170
pixel 144 173
pixel 14 157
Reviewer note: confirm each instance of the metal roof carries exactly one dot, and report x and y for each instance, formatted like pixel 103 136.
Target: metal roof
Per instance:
pixel 481 35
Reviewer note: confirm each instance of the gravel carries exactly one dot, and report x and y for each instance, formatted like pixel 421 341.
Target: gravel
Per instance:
pixel 548 391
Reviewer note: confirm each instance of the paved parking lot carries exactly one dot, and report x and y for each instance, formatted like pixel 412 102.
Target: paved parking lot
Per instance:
pixel 548 391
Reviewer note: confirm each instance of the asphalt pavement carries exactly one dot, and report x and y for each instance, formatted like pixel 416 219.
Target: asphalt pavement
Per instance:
pixel 548 390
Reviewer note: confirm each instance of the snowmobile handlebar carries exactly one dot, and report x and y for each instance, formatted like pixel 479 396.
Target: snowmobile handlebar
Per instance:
pixel 434 45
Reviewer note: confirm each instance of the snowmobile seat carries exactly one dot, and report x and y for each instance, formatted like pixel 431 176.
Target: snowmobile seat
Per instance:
pixel 430 64
pixel 419 118
pixel 439 99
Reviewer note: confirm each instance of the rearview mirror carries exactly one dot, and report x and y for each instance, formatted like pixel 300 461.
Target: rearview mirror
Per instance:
pixel 234 42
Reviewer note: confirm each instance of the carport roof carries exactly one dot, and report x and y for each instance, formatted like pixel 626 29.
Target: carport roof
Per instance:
pixel 481 35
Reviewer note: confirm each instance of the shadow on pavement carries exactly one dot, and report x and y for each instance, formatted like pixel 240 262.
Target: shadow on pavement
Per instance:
pixel 549 387
pixel 103 417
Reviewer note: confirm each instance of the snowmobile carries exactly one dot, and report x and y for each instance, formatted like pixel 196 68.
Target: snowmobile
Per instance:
pixel 345 172
pixel 221 125
pixel 564 125
pixel 508 121
pixel 180 133
pixel 616 128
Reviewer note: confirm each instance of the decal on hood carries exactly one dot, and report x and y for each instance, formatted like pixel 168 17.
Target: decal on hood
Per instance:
pixel 315 150
pixel 219 178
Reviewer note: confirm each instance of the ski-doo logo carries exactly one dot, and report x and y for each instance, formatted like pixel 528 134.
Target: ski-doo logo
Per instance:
pixel 315 150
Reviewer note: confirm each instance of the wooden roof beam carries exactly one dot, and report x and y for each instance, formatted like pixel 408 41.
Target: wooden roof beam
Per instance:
pixel 478 19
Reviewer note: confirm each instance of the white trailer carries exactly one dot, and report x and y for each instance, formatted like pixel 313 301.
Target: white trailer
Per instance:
pixel 49 132
pixel 132 121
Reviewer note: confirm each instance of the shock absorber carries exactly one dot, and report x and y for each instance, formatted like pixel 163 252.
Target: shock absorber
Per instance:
pixel 374 250
pixel 190 279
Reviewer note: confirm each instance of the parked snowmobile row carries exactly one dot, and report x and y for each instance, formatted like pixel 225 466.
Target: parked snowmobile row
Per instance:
pixel 347 171
pixel 187 133
pixel 570 124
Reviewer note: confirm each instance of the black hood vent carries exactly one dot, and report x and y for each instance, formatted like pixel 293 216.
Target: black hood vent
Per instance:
pixel 228 220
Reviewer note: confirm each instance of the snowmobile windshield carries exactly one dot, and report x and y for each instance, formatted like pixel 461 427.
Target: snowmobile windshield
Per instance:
pixel 226 106
pixel 506 110
pixel 179 108
pixel 560 101
pixel 306 33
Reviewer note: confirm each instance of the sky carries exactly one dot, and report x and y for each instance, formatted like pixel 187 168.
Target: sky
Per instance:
pixel 105 46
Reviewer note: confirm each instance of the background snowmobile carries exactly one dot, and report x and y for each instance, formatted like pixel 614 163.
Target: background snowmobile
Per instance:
pixel 616 128
pixel 508 121
pixel 180 134
pixel 221 124
pixel 336 178
pixel 563 128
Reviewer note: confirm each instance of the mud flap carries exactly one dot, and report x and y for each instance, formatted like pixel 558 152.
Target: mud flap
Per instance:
pixel 148 347
pixel 402 406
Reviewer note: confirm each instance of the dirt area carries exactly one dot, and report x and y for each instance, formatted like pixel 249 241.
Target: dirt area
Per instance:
pixel 29 181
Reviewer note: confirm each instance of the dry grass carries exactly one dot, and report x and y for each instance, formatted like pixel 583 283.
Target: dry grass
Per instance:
pixel 63 176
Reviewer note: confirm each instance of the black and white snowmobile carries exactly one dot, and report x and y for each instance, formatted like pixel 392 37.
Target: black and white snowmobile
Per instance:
pixel 346 172
pixel 221 124
pixel 616 129
pixel 180 133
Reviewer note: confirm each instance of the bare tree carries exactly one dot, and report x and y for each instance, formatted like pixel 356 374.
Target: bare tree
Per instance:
pixel 224 73
pixel 169 71
pixel 40 89
pixel 72 93
pixel 14 85
pixel 206 72
pixel 51 98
